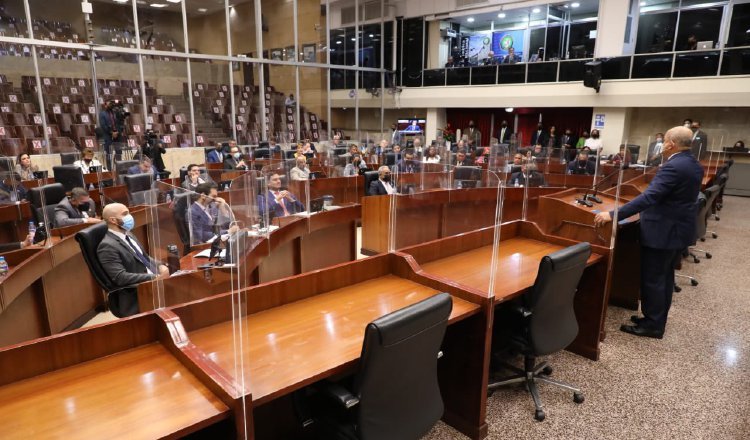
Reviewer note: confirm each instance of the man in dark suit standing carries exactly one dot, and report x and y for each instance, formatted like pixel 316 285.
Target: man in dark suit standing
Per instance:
pixel 383 185
pixel 699 144
pixel 503 135
pixel 668 212
pixel 108 126
pixel 124 260
pixel 568 142
pixel 539 137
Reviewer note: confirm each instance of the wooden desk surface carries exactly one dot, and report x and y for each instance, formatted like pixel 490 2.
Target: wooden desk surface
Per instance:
pixel 139 393
pixel 293 345
pixel 517 266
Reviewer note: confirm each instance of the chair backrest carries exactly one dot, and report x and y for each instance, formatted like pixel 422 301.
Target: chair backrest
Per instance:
pixel 44 195
pixel 69 176
pixel 121 168
pixel 289 154
pixel 262 153
pixel 88 239
pixel 397 382
pixel 370 176
pixel 69 158
pixel 389 159
pixel 701 219
pixel 552 324
pixel 711 193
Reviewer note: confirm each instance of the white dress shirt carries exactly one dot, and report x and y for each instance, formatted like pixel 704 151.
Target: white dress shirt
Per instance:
pixel 133 243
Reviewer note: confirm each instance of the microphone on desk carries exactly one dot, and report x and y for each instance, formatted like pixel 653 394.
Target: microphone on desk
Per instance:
pixel 586 198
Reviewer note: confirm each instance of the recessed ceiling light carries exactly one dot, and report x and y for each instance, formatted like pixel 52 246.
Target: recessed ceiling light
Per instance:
pixel 354 39
pixel 643 3
pixel 121 1
pixel 575 5
pixel 371 35
pixel 338 42
pixel 536 10
pixel 174 1
pixel 158 5
pixel 501 15
pixel 202 9
pixel 470 19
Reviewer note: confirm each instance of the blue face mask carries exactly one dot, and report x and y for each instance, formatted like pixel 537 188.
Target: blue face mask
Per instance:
pixel 128 222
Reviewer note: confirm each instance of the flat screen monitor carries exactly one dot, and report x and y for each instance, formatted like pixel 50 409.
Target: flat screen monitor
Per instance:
pixel 412 126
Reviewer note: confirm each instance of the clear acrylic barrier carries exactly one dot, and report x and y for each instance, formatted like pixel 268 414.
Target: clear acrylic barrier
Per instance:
pixel 439 201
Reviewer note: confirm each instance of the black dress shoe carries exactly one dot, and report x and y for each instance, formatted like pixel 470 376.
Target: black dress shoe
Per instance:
pixel 642 331
pixel 636 319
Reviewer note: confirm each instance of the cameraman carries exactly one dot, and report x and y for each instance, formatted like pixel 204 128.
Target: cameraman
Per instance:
pixel 112 125
pixel 153 148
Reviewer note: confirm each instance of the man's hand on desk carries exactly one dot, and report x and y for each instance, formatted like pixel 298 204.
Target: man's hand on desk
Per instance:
pixel 28 242
pixel 163 271
pixel 602 218
pixel 92 220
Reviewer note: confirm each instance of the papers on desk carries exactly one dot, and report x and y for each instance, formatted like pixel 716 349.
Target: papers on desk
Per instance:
pixel 181 272
pixel 308 214
pixel 256 230
pixel 207 253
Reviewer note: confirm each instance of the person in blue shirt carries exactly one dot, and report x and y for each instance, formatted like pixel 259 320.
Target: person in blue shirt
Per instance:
pixel 144 166
pixel 667 226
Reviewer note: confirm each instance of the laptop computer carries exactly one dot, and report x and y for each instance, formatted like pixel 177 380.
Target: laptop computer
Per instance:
pixel 705 45
pixel 316 205
pixel 315 175
pixel 40 174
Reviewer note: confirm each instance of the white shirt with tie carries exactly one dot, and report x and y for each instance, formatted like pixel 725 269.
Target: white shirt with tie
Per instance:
pixel 133 244
pixel 388 188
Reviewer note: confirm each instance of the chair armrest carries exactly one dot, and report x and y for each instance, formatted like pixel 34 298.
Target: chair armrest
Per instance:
pixel 340 394
pixel 523 311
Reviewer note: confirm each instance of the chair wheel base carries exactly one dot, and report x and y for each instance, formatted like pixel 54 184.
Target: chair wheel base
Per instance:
pixel 547 370
pixel 715 235
pixel 709 255
pixel 677 288
pixel 696 260
pixel 703 238
pixel 539 415
pixel 578 397
pixel 693 282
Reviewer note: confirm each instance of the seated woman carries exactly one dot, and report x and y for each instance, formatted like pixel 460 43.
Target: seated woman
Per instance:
pixel 480 155
pixel 431 156
pixel 739 146
pixel 355 167
pixel 24 168
pixel 301 171
pixel 88 161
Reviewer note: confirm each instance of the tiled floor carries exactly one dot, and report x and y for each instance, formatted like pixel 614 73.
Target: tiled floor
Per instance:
pixel 693 384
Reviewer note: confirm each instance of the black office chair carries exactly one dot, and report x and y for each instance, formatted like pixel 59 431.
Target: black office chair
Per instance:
pixel 701 219
pixel 712 193
pixel 340 150
pixel 139 188
pixel 121 169
pixel 44 199
pixel 88 239
pixel 370 176
pixel 180 214
pixel 395 392
pixel 548 321
pixel 262 153
pixel 69 158
pixel 69 176
pixel 289 154
pixel 389 159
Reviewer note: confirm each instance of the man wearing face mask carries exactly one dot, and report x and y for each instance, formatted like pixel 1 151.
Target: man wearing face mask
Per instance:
pixel 75 209
pixel 355 167
pixel 383 185
pixel 582 165
pixel 668 210
pixel 699 145
pixel 408 164
pixel 503 136
pixel 395 135
pixel 473 133
pixel 594 143
pixel 654 150
pixel 234 161
pixel 125 260
pixel 209 215
pixel 539 137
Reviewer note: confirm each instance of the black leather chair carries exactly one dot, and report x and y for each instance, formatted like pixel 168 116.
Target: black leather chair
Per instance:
pixel 395 392
pixel 180 214
pixel 139 189
pixel 289 154
pixel 121 169
pixel 712 193
pixel 370 176
pixel 69 158
pixel 69 176
pixel 547 321
pixel 88 239
pixel 701 219
pixel 262 153
pixel 44 199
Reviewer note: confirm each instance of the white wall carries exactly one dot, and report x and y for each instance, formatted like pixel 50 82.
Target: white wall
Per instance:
pixel 616 126
pixel 611 28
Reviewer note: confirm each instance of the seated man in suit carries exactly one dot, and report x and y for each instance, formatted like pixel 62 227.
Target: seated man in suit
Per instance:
pixel 277 202
pixel 11 189
pixel 234 161
pixel 582 165
pixel 382 186
pixel 124 260
pixel 528 174
pixel 356 167
pixel 460 160
pixel 490 60
pixel 511 58
pixel 216 156
pixel 210 215
pixel 654 150
pixel 75 209
pixel 193 177
pixel 407 164
pixel 144 167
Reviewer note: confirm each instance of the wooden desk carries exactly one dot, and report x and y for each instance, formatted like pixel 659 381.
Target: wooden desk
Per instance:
pixel 125 379
pixel 14 219
pixel 309 327
pixel 466 261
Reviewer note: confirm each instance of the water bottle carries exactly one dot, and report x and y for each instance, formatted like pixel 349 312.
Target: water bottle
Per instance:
pixel 3 267
pixel 32 228
pixel 91 187
pixel 168 199
pixel 516 183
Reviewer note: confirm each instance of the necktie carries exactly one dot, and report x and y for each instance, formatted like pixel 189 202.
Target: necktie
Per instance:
pixel 283 204
pixel 142 258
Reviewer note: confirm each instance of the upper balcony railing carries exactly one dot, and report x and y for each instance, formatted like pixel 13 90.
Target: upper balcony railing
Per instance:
pixel 662 65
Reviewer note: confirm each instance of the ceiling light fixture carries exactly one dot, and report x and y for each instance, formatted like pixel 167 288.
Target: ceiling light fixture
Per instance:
pixel 575 5
pixel 470 19
pixel 174 1
pixel 158 5
pixel 501 15
pixel 202 9
pixel 536 10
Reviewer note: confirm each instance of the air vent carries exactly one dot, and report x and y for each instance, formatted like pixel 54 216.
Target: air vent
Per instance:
pixel 347 15
pixel 465 3
pixel 372 10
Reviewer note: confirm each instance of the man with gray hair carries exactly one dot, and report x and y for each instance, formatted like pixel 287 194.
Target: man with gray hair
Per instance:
pixel 75 209
pixel 383 185
pixel 668 212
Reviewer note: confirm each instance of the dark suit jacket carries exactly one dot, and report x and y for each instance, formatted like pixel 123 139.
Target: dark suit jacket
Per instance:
pixel 506 138
pixel 106 123
pixel 231 164
pixel 668 207
pixel 402 166
pixel 539 138
pixel 535 179
pixel 267 203
pixel 700 143
pixel 7 247
pixel 201 226
pixel 575 168
pixel 136 169
pixel 214 157
pixel 377 188
pixel 124 270
pixel 67 215
pixel 570 141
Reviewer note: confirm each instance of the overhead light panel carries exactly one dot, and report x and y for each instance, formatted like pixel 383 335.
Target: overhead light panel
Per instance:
pixel 501 15
pixel 575 5
pixel 536 10
pixel 174 1
pixel 470 19
pixel 202 9
pixel 158 5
